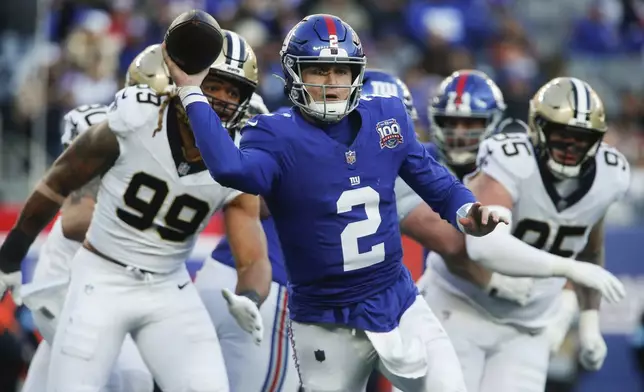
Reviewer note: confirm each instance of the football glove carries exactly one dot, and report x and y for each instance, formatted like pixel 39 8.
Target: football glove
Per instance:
pixel 513 289
pixel 593 348
pixel 11 281
pixel 246 313
pixel 557 330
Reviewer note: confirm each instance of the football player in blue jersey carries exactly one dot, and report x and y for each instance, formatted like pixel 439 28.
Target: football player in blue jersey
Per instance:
pixel 326 170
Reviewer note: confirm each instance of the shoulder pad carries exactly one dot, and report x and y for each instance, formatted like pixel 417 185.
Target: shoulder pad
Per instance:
pixel 134 108
pixel 616 167
pixel 508 158
pixel 78 120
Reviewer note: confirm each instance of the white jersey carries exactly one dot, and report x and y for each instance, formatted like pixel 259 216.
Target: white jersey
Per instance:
pixel 58 251
pixel 152 203
pixel 548 217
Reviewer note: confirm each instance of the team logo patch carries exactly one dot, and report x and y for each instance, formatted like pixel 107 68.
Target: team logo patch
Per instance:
pixel 350 156
pixel 389 132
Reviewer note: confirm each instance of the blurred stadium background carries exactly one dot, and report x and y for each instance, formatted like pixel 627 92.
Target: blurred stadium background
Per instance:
pixel 57 54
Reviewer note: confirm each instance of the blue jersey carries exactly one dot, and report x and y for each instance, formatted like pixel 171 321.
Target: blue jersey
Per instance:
pixel 333 204
pixel 432 150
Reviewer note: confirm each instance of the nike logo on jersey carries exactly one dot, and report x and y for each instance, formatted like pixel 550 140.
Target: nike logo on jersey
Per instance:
pixel 181 286
pixel 252 123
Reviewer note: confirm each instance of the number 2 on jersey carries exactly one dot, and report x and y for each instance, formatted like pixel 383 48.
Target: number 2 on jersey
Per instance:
pixel 349 237
pixel 176 229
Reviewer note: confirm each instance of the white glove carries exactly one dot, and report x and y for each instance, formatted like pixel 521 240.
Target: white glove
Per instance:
pixel 245 313
pixel 591 276
pixel 510 288
pixel 593 348
pixel 11 281
pixel 557 330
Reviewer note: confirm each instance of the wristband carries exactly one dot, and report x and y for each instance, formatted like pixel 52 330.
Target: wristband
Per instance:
pixel 253 296
pixel 13 250
pixel 190 94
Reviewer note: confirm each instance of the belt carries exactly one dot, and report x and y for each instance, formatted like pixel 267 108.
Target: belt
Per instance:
pixel 92 249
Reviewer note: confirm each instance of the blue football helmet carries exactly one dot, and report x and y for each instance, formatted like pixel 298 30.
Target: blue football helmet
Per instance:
pixel 466 109
pixel 377 82
pixel 322 39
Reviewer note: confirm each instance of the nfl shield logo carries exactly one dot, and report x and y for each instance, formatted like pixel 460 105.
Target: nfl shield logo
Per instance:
pixel 351 157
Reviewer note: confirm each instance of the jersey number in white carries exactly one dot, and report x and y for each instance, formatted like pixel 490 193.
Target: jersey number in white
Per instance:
pixel 176 229
pixel 542 230
pixel 349 237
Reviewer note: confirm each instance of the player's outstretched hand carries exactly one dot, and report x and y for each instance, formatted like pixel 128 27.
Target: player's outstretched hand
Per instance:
pixel 245 313
pixel 480 220
pixel 11 281
pixel 594 277
pixel 180 78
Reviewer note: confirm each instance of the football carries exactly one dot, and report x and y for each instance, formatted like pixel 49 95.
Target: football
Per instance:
pixel 194 41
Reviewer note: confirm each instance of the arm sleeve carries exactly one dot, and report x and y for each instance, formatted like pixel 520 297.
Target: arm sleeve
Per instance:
pixel 251 168
pixel 432 181
pixel 502 252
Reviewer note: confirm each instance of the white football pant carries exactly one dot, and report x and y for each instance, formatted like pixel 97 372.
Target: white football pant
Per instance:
pixel 339 359
pixel 495 357
pixel 163 314
pixel 45 297
pixel 251 368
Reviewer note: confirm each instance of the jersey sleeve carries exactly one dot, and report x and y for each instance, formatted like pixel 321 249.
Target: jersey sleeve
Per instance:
pixel 134 108
pixel 259 135
pixel 80 119
pixel 230 195
pixel 253 167
pixel 617 169
pixel 507 158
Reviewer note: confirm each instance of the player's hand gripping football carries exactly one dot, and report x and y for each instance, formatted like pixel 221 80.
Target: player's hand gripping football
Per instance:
pixel 479 220
pixel 180 78
pixel 246 313
pixel 11 281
